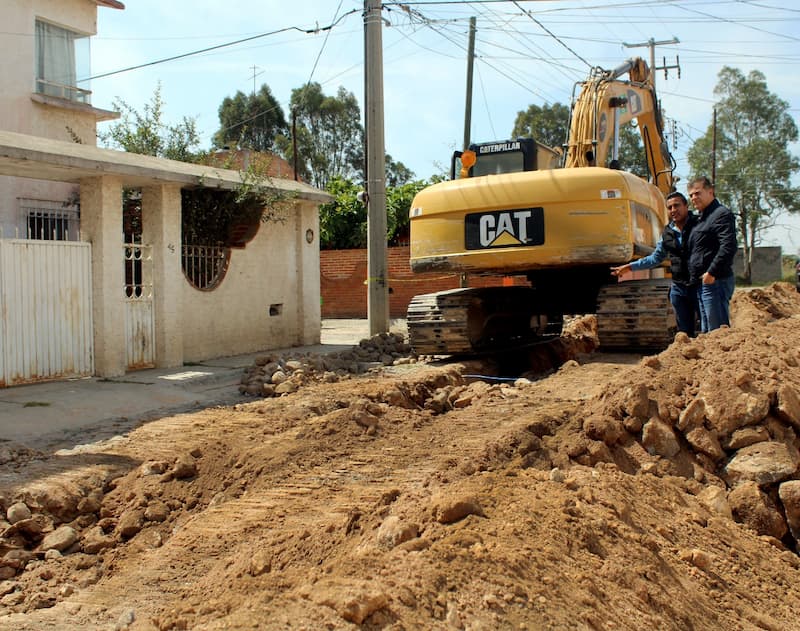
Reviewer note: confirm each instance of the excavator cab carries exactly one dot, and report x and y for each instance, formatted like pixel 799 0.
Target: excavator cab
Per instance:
pixel 509 156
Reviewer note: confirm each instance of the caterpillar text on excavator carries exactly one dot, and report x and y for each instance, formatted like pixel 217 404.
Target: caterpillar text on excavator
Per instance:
pixel 560 219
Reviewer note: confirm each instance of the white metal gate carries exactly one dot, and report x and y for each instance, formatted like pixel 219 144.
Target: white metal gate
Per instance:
pixel 45 310
pixel 139 318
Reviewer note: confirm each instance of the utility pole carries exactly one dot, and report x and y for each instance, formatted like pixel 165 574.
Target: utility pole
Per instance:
pixel 377 256
pixel 463 280
pixel 468 102
pixel 714 148
pixel 255 74
pixel 651 44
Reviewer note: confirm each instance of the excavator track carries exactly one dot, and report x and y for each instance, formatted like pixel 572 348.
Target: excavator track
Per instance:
pixel 635 315
pixel 475 321
pixel 437 323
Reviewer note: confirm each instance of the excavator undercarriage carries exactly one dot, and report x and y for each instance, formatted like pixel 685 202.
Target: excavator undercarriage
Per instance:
pixel 634 315
pixel 476 320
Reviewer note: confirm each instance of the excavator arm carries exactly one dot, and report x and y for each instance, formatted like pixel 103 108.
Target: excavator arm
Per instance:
pixel 604 104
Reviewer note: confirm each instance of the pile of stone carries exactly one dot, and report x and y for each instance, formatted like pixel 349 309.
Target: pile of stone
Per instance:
pixel 723 409
pixel 273 375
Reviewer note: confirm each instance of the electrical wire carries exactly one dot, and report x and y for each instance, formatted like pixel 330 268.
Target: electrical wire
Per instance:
pixel 549 32
pixel 745 25
pixel 219 46
pixel 444 19
pixel 324 42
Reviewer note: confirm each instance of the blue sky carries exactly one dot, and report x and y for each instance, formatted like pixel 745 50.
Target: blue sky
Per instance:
pixel 528 52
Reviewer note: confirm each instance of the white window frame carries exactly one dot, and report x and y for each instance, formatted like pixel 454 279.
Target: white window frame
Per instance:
pixel 61 54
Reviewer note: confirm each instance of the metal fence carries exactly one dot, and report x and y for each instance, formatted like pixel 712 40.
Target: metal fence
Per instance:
pixel 46 327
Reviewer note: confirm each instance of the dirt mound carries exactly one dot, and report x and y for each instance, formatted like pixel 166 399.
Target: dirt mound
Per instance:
pixel 763 304
pixel 617 492
pixel 723 409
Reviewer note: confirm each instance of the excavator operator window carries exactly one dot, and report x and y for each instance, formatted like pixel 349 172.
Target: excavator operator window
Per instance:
pixel 494 163
pixel 491 158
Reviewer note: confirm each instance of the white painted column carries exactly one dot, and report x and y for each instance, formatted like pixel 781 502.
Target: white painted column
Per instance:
pixel 308 282
pixel 101 224
pixel 161 227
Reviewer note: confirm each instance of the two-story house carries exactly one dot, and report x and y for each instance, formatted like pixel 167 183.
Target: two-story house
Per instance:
pixel 45 67
pixel 78 297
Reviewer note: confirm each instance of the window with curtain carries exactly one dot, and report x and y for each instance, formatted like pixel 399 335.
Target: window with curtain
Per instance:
pixel 60 55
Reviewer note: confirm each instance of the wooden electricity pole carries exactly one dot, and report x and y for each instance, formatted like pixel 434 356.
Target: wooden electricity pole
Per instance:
pixel 463 280
pixel 468 101
pixel 651 44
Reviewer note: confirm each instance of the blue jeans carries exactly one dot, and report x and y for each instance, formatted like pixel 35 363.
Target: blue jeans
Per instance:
pixel 684 303
pixel 713 301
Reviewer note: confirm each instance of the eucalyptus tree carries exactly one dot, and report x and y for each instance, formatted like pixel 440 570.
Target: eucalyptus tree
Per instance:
pixel 754 165
pixel 250 121
pixel 328 135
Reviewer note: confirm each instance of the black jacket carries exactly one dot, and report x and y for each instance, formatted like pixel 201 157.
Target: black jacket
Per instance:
pixel 678 251
pixel 712 243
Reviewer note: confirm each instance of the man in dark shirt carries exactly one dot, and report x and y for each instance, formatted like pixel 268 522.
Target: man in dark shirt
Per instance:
pixel 673 245
pixel 712 246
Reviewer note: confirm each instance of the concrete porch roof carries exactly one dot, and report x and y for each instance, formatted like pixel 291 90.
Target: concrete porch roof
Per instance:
pixel 38 158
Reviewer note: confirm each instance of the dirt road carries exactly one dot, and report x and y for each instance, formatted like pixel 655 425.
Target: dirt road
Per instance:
pixel 415 498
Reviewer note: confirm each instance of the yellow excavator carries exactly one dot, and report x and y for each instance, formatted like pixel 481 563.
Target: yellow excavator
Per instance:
pixel 510 209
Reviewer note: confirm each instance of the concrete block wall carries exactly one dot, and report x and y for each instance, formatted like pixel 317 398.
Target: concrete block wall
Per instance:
pixel 766 264
pixel 268 298
pixel 343 275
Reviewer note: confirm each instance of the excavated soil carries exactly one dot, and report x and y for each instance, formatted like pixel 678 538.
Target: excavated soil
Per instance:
pixel 599 492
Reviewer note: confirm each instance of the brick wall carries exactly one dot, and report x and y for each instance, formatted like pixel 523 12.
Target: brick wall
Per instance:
pixel 344 292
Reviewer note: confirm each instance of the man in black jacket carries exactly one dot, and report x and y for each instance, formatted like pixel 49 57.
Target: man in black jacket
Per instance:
pixel 712 246
pixel 673 245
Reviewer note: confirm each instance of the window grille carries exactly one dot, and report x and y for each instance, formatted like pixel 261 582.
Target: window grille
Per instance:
pixel 205 265
pixel 49 220
pixel 138 261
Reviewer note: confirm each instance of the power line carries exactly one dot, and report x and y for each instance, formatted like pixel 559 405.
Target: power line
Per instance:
pixel 218 46
pixel 324 42
pixel 744 24
pixel 504 24
pixel 555 37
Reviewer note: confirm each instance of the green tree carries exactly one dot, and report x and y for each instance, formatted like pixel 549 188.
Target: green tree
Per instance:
pixel 146 132
pixel 631 154
pixel 546 124
pixel 328 135
pixel 252 121
pixel 343 222
pixel 754 166
pixel 397 173
pixel 398 205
